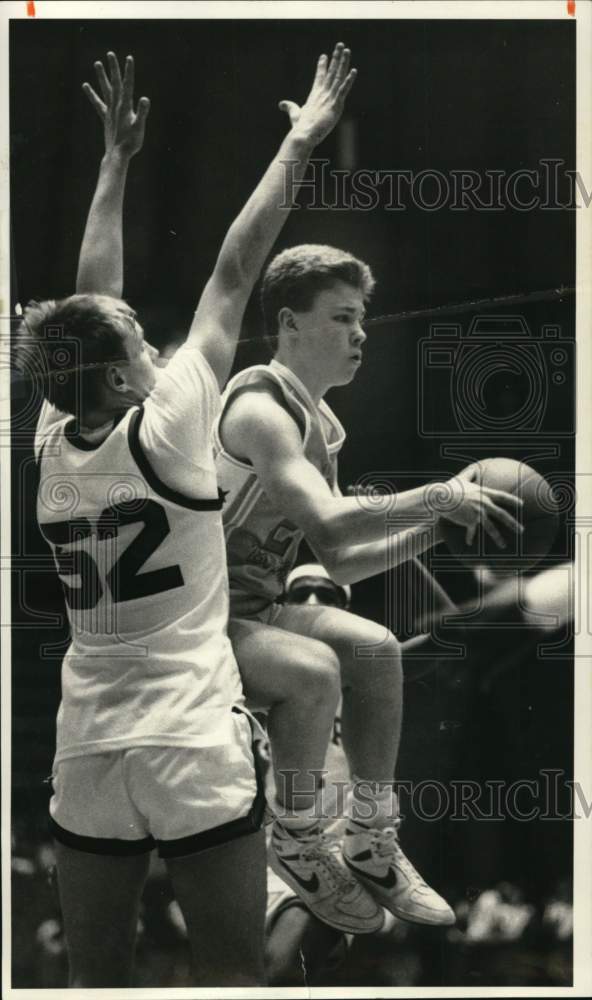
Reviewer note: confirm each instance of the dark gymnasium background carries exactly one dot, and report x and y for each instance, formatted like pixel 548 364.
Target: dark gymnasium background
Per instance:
pixel 441 95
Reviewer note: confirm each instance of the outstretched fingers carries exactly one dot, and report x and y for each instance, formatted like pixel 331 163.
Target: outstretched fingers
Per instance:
pixel 335 62
pixel 321 70
pixel 115 76
pixel 127 92
pixel 103 81
pixel 95 100
pixel 142 112
pixel 510 498
pixel 347 84
pixel 504 517
pixel 342 68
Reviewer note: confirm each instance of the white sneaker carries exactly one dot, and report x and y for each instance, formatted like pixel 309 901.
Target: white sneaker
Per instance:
pixel 376 859
pixel 309 864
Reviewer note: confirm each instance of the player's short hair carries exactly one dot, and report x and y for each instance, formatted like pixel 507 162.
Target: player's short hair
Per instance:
pixel 68 344
pixel 298 274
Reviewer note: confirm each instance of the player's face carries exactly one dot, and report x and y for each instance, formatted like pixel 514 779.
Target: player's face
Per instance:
pixel 331 332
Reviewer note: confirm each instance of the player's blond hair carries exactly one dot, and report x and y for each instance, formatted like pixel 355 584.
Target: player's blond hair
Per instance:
pixel 298 274
pixel 68 344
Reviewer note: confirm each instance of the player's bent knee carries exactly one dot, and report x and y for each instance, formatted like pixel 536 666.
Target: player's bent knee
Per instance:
pixel 391 647
pixel 375 662
pixel 374 648
pixel 322 677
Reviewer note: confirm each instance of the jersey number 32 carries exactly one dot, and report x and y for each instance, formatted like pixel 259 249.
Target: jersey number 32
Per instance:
pixel 124 580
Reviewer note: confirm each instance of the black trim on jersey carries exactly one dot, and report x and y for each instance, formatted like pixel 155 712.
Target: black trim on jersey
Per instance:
pixel 100 845
pixel 74 437
pixel 166 492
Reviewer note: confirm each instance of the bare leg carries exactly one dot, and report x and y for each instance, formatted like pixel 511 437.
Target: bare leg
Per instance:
pixel 298 947
pixel 222 894
pixel 372 711
pixel 100 899
pixel 371 720
pixel 297 678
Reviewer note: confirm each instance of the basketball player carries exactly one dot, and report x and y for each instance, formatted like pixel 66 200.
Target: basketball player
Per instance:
pixel 276 444
pixel 295 939
pixel 153 744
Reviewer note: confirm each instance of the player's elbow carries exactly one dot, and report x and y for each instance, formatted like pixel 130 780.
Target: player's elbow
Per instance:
pixel 235 264
pixel 229 275
pixel 325 536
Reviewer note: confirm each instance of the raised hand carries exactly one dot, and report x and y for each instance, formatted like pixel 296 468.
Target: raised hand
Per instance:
pixel 123 127
pixel 471 505
pixel 324 105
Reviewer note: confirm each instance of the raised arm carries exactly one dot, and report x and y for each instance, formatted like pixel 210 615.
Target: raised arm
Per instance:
pixel 100 265
pixel 216 326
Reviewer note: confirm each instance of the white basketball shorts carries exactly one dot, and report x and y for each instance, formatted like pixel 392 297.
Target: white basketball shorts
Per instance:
pixel 178 799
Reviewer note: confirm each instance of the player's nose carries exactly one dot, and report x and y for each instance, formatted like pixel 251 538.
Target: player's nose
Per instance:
pixel 358 336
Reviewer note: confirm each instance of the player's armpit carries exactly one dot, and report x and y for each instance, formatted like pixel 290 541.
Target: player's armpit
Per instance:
pixel 257 429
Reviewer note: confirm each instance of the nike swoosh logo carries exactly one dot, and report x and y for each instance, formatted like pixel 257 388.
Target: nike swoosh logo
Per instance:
pixel 387 881
pixel 310 884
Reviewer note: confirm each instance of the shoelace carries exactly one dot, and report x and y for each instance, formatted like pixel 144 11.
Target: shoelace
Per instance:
pixel 324 852
pixel 388 847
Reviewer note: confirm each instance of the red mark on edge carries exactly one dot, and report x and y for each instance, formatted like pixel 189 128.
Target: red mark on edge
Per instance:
pixel 30 8
pixel 571 8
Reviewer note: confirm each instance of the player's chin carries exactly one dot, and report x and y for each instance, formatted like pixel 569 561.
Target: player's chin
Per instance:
pixel 350 374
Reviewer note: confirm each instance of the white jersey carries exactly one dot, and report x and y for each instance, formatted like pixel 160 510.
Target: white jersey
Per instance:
pixel 134 522
pixel 261 543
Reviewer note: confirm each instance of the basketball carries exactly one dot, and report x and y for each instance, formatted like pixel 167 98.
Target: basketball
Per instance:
pixel 539 515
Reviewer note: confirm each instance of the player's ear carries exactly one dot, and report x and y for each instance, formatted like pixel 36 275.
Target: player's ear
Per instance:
pixel 287 320
pixel 116 379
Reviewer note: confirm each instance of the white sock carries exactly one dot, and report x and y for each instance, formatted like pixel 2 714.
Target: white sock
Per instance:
pixel 373 804
pixel 296 820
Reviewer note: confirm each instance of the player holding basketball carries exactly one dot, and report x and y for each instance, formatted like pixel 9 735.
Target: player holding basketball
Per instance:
pixel 153 745
pixel 277 444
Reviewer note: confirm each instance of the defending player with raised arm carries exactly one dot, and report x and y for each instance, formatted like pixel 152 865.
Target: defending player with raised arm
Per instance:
pixel 129 504
pixel 277 445
pixel 100 263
